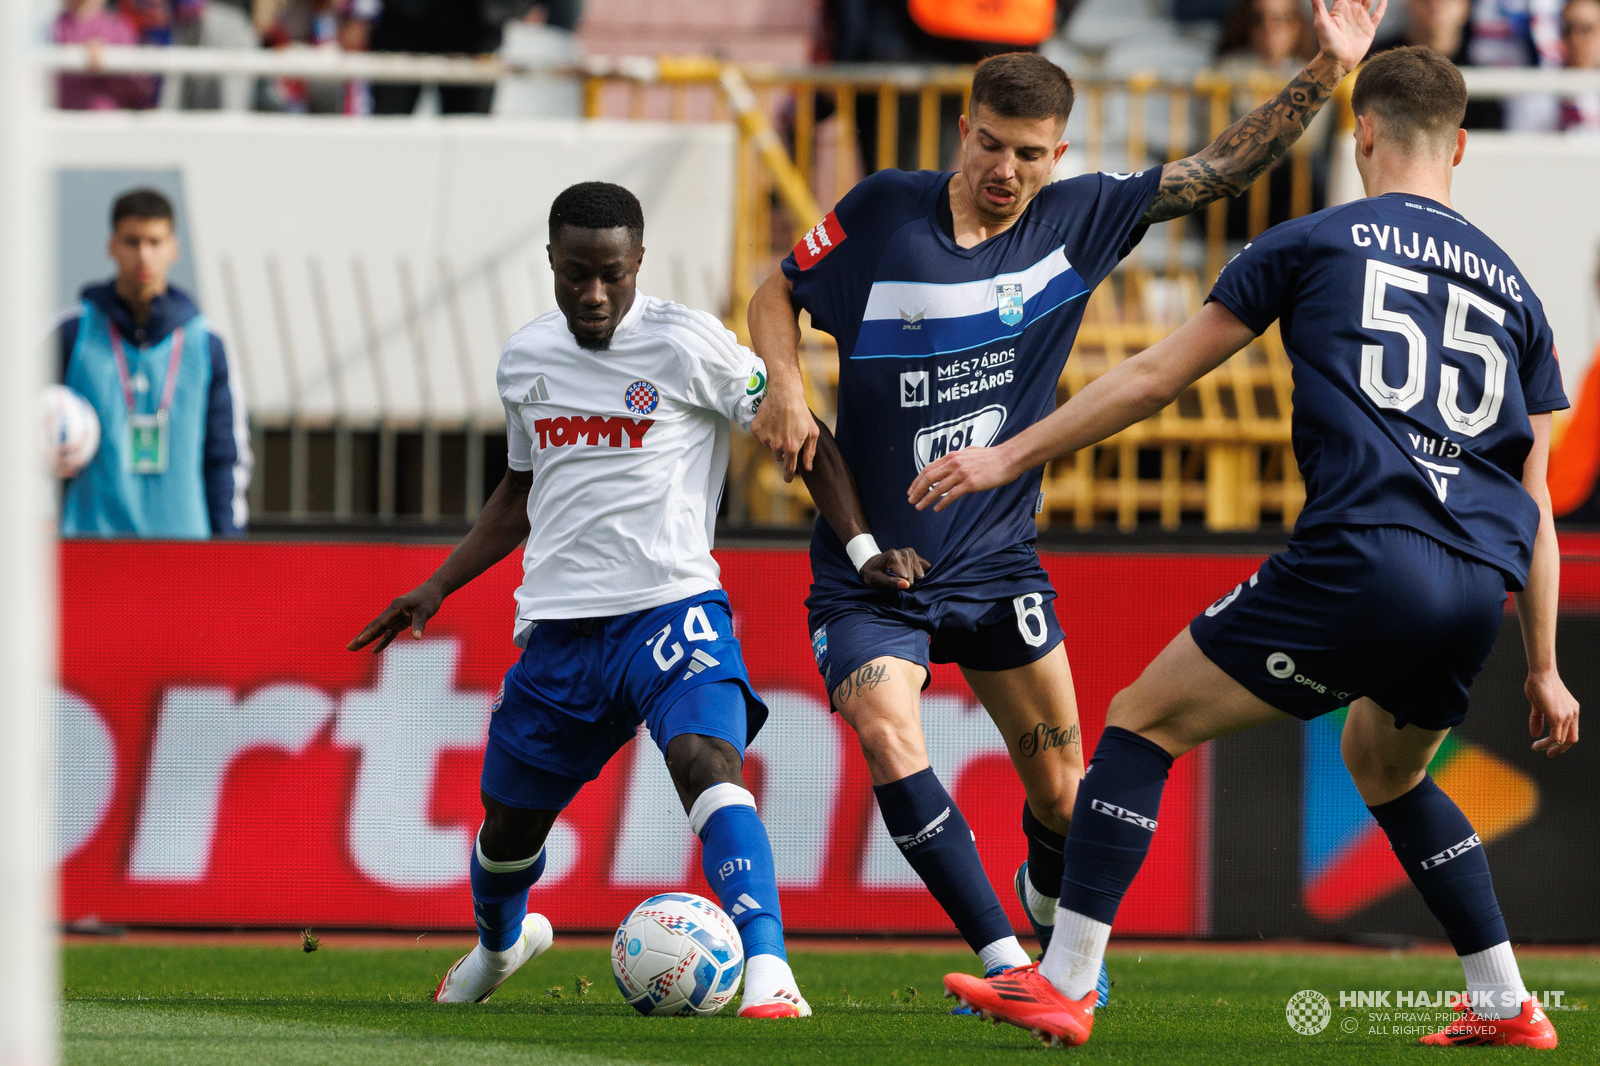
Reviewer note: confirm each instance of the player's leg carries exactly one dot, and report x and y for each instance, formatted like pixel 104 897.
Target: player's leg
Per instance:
pixel 520 804
pixel 1036 710
pixel 735 854
pixel 683 667
pixel 1181 700
pixel 880 699
pixel 1442 855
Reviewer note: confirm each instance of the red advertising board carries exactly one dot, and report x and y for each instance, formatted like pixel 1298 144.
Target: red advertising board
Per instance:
pixel 223 760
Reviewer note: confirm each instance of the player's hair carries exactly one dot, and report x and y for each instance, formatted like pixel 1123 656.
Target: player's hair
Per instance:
pixel 144 204
pixel 1022 85
pixel 597 205
pixel 1417 92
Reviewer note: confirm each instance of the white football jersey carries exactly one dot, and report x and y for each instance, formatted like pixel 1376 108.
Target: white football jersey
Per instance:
pixel 629 451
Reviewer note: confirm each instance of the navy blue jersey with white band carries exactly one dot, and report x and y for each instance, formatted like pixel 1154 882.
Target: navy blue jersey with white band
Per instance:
pixel 1419 351
pixel 943 347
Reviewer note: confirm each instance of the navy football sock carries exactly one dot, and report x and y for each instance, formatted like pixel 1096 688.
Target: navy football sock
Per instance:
pixel 736 857
pixel 933 836
pixel 1046 853
pixel 1443 857
pixel 1112 822
pixel 500 896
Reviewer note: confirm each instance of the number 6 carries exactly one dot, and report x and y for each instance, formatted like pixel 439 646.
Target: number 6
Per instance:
pixel 1030 618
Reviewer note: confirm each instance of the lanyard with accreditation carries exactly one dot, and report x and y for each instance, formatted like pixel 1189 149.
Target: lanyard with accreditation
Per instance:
pixel 147 434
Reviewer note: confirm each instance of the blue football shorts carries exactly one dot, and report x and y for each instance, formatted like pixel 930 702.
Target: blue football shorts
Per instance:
pixel 1384 612
pixel 583 686
pixel 991 625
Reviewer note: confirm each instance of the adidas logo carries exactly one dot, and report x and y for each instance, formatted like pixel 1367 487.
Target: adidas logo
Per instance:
pixel 744 903
pixel 699 662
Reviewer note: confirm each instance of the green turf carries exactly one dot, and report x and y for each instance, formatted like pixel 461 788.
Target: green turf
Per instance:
pixel 250 1005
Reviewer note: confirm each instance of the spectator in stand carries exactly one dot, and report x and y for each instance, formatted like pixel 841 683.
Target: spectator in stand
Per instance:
pixel 174 457
pixel 208 24
pixel 446 27
pixel 948 32
pixel 1272 40
pixel 88 22
pixel 1519 33
pixel 1580 40
pixel 1442 25
pixel 318 24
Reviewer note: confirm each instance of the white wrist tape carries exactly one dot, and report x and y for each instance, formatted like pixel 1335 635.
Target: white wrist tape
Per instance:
pixel 861 548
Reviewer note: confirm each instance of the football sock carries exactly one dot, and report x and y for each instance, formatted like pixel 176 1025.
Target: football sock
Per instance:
pixel 500 896
pixel 931 833
pixel 765 976
pixel 1076 954
pixel 1444 858
pixel 1046 865
pixel 736 857
pixel 1495 982
pixel 1113 821
pixel 1003 954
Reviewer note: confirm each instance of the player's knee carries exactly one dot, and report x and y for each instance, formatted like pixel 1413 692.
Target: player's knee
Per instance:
pixel 888 749
pixel 698 762
pixel 1375 773
pixel 1054 809
pixel 512 833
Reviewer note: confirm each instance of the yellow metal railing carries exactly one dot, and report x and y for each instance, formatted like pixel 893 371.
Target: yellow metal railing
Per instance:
pixel 1222 452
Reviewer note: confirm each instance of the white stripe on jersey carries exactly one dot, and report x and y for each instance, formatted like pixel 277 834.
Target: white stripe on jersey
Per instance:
pixel 895 299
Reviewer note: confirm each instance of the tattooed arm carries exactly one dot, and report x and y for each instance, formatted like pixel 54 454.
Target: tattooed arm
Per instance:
pixel 1228 165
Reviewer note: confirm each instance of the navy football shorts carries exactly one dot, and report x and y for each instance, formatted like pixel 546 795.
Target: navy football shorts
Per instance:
pixel 582 686
pixel 852 624
pixel 1378 611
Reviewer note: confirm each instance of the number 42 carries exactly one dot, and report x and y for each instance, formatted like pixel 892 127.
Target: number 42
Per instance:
pixel 1457 337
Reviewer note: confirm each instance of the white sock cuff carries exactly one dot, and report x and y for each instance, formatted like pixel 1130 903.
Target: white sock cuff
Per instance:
pixel 511 866
pixel 723 794
pixel 1006 952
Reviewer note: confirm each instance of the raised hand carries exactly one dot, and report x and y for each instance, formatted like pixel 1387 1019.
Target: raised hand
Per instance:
pixel 1345 29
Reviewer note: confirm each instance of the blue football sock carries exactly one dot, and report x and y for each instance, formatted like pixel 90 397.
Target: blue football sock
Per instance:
pixel 500 896
pixel 736 858
pixel 933 836
pixel 1112 822
pixel 1046 858
pixel 1444 858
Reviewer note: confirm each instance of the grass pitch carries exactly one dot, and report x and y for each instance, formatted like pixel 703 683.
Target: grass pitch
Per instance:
pixel 268 1005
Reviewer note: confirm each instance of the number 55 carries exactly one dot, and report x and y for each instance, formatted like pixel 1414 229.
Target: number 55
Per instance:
pixel 1457 337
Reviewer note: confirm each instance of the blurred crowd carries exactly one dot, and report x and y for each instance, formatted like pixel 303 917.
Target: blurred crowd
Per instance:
pixel 437 27
pixel 1234 36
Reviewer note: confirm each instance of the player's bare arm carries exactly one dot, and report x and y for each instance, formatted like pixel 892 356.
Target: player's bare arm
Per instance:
pixel 1230 164
pixel 784 422
pixel 834 489
pixel 1552 706
pixel 1129 392
pixel 501 526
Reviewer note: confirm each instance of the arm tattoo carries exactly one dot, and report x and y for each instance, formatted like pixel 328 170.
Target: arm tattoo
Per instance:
pixel 1228 165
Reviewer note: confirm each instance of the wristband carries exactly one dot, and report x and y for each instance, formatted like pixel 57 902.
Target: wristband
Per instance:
pixel 861 548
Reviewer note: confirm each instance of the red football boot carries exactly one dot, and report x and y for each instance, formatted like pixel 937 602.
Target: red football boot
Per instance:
pixel 1531 1028
pixel 1022 997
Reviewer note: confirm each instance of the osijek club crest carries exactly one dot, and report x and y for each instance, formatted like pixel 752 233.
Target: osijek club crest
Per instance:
pixel 1010 295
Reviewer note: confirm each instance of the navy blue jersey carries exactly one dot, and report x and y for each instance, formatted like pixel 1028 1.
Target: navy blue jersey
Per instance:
pixel 1419 352
pixel 943 347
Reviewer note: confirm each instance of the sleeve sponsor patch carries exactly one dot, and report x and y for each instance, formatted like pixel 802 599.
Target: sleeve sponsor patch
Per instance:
pixel 819 240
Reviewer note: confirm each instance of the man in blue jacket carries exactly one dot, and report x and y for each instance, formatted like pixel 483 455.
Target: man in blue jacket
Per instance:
pixel 174 458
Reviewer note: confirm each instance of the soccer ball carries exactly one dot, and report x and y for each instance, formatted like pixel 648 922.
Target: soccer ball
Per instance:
pixel 677 953
pixel 71 430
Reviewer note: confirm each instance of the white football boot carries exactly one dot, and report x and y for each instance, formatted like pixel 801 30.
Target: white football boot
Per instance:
pixel 770 990
pixel 476 975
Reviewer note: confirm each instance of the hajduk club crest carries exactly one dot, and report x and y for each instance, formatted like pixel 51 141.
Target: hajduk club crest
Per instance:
pixel 642 397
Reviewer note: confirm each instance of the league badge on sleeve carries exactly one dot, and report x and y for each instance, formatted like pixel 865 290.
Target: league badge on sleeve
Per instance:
pixel 642 397
pixel 1011 303
pixel 819 240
